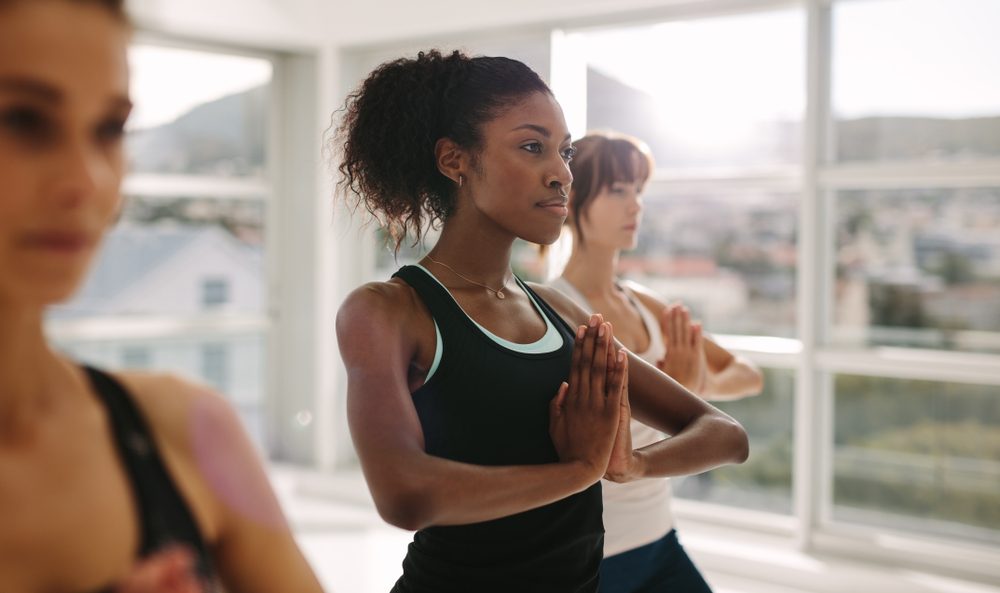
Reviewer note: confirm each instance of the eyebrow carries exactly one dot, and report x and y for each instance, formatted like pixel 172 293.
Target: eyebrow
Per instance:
pixel 540 129
pixel 44 92
pixel 28 86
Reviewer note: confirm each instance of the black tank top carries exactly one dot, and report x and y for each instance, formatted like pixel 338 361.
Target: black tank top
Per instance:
pixel 489 405
pixel 164 515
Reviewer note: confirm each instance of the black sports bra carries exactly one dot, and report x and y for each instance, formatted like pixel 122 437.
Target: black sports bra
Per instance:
pixel 164 516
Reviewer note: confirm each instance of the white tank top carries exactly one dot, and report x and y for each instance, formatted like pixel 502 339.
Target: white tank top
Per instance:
pixel 636 513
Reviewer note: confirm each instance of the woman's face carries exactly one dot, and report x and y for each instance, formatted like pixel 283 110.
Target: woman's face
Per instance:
pixel 63 106
pixel 613 216
pixel 522 168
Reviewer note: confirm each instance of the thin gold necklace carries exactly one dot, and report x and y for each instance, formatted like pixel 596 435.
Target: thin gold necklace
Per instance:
pixel 498 293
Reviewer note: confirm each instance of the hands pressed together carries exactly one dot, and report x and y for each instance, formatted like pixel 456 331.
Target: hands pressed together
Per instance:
pixel 168 571
pixel 685 360
pixel 589 416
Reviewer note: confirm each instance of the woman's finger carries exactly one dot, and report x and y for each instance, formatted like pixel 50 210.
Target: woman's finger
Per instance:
pixel 685 326
pixel 574 367
pixel 676 329
pixel 169 571
pixel 616 392
pixel 599 368
pixel 582 389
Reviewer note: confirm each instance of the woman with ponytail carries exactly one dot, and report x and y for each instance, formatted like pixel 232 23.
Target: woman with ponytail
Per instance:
pixel 485 409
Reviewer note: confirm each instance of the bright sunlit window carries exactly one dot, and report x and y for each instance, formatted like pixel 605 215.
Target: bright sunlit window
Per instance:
pixel 180 284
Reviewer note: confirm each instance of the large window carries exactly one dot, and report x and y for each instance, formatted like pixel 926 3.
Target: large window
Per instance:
pixel 921 456
pixel 918 268
pixel 826 198
pixel 912 80
pixel 720 218
pixel 180 283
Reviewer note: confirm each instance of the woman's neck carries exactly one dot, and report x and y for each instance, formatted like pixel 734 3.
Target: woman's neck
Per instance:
pixel 592 270
pixel 30 373
pixel 481 254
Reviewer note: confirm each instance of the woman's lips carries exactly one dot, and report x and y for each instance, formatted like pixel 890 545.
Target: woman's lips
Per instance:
pixel 58 241
pixel 555 206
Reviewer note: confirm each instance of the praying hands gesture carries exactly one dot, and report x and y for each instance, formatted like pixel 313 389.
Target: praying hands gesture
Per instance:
pixel 685 360
pixel 624 465
pixel 168 571
pixel 585 414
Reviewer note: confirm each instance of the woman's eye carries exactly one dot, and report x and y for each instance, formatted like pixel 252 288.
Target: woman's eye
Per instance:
pixel 22 121
pixel 569 153
pixel 532 147
pixel 111 130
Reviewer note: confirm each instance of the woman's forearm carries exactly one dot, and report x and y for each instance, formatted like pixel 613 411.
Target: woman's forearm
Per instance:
pixel 437 491
pixel 738 379
pixel 708 442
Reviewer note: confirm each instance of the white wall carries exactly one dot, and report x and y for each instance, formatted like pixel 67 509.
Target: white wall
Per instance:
pixel 271 24
pixel 297 23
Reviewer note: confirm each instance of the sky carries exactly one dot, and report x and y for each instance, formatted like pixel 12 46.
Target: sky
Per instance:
pixel 167 82
pixel 890 57
pixel 713 76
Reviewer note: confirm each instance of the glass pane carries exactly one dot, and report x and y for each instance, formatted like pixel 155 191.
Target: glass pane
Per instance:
pixel 764 482
pixel 918 268
pixel 720 92
pixel 915 80
pixel 233 364
pixel 730 257
pixel 918 456
pixel 179 257
pixel 198 113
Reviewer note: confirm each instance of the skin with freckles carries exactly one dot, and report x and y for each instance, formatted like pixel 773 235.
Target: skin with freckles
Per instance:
pixel 69 520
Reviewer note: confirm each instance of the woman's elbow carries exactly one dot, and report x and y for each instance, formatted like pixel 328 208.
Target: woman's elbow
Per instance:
pixel 741 442
pixel 737 443
pixel 405 508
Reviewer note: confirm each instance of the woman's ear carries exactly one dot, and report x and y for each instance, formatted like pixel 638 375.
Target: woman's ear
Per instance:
pixel 450 159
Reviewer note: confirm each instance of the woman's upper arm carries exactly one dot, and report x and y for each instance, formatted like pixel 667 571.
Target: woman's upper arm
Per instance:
pixel 220 474
pixel 377 344
pixel 567 308
pixel 256 551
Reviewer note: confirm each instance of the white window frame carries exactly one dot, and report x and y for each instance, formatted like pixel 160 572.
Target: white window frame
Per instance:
pixel 815 362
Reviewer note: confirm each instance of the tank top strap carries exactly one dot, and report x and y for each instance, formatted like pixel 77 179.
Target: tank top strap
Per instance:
pixel 442 306
pixel 569 332
pixel 164 515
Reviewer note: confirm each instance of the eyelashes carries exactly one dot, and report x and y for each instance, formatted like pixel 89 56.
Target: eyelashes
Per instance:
pixel 567 153
pixel 27 124
pixel 111 130
pixel 37 129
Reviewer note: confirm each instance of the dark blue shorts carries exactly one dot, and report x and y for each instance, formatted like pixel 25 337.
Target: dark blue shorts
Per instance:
pixel 660 567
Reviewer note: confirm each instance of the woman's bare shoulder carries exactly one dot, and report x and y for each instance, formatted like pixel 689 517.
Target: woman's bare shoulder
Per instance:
pixel 647 296
pixel 566 307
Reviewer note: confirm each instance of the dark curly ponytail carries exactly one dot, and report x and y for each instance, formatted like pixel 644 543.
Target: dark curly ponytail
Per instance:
pixel 394 119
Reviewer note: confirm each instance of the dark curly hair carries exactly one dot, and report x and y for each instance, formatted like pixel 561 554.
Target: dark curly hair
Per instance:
pixel 115 7
pixel 393 121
